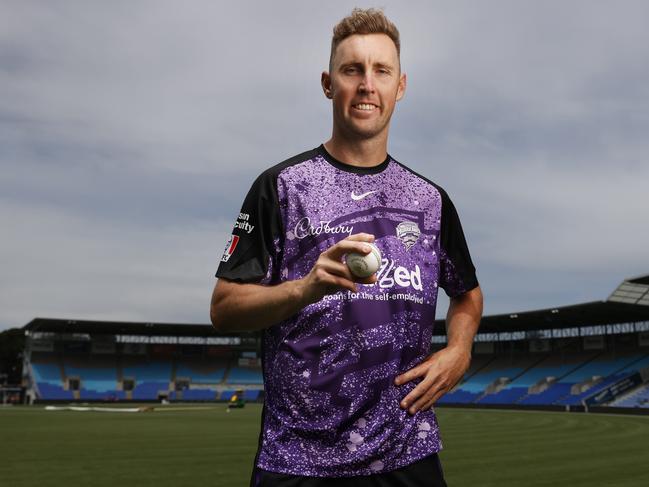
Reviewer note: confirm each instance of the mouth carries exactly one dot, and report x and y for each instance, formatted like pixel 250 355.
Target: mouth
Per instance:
pixel 365 107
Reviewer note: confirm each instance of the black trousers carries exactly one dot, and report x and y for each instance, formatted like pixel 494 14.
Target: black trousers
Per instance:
pixel 426 472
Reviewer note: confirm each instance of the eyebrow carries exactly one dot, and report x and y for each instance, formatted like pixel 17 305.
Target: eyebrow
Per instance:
pixel 358 64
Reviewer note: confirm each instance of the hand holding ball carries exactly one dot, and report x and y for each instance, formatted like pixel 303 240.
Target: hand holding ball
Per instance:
pixel 364 265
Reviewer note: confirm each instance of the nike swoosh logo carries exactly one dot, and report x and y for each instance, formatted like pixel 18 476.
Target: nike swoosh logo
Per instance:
pixel 357 197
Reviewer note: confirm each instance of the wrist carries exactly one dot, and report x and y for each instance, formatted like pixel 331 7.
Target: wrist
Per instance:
pixel 298 293
pixel 460 348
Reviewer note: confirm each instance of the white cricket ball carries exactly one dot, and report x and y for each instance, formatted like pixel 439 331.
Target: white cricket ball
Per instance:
pixel 364 265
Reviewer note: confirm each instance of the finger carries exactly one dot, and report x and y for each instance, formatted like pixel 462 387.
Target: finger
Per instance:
pixel 429 395
pixel 434 394
pixel 342 270
pixel 326 281
pixel 336 268
pixel 429 404
pixel 411 374
pixel 337 283
pixel 414 395
pixel 346 246
pixel 433 400
pixel 366 280
pixel 361 237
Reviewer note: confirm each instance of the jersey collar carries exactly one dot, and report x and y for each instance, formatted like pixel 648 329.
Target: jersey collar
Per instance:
pixel 348 167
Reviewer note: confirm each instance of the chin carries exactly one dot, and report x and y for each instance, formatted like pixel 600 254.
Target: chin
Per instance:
pixel 366 132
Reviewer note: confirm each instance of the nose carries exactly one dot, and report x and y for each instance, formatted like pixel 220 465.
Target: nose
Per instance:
pixel 367 83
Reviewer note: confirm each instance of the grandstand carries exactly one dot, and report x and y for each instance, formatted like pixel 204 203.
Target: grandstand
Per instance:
pixel 73 360
pixel 578 356
pixel 573 357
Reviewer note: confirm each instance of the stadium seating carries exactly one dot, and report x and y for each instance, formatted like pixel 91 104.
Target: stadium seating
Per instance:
pixel 602 366
pixel 591 371
pixel 459 396
pixel 637 398
pixel 491 380
pixel 504 396
pixel 98 380
pixel 151 378
pixel 251 394
pixel 47 374
pixel 226 395
pixel 54 392
pixel 199 395
pixel 488 375
pixel 101 376
pixel 145 371
pixel 201 373
pixel 608 367
pixel 638 365
pixel 553 393
pixel 241 375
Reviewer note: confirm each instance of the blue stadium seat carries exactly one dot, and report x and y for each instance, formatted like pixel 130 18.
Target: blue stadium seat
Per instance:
pixel 240 375
pixel 505 396
pixel 52 392
pixel 200 376
pixel 199 395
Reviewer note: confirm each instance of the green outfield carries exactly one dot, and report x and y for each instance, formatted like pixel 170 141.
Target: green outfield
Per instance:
pixel 204 445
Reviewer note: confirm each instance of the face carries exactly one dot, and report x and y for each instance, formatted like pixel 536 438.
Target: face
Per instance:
pixel 365 83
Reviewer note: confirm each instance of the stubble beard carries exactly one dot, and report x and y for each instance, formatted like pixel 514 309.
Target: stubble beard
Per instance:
pixel 352 131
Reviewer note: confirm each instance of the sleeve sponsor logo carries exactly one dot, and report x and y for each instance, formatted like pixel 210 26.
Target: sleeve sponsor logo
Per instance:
pixel 229 248
pixel 243 223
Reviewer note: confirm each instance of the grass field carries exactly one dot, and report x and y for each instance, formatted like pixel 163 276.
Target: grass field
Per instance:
pixel 199 446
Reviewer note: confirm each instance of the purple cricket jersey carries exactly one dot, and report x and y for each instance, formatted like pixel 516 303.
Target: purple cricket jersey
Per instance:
pixel 331 407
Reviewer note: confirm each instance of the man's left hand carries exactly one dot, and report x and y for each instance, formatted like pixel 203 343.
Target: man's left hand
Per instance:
pixel 440 372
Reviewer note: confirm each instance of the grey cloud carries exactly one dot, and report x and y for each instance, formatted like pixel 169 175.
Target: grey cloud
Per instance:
pixel 64 265
pixel 130 132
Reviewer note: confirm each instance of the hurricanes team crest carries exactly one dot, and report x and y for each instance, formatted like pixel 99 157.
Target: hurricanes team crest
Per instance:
pixel 408 233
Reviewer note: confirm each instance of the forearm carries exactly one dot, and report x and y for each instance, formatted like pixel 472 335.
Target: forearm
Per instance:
pixel 249 307
pixel 463 320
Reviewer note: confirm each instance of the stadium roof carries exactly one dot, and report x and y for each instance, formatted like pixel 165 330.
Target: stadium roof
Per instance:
pixel 586 314
pixel 120 328
pixel 629 303
pixel 639 280
pixel 632 291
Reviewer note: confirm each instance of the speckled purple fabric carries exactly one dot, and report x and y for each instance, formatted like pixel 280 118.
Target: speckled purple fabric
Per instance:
pixel 332 408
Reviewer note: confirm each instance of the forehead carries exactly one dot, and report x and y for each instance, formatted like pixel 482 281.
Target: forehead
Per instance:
pixel 367 48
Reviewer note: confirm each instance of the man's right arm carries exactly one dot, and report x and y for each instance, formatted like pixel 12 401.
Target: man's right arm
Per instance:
pixel 248 307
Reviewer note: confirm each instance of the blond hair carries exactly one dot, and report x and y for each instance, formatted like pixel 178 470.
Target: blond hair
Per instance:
pixel 364 21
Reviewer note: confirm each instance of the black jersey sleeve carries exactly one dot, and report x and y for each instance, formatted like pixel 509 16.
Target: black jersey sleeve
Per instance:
pixel 457 272
pixel 251 252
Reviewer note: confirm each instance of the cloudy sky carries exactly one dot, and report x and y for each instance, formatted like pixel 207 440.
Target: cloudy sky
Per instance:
pixel 130 132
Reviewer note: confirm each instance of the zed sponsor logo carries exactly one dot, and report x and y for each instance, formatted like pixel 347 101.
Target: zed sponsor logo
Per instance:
pixel 390 274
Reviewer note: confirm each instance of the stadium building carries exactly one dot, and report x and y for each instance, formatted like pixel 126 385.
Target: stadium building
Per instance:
pixel 76 360
pixel 582 357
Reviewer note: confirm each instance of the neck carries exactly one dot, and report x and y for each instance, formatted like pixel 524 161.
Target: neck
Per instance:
pixel 361 153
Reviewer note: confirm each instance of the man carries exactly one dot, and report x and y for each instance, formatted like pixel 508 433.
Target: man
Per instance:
pixel 349 379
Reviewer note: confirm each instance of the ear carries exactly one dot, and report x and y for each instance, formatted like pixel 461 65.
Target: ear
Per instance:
pixel 401 89
pixel 325 81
